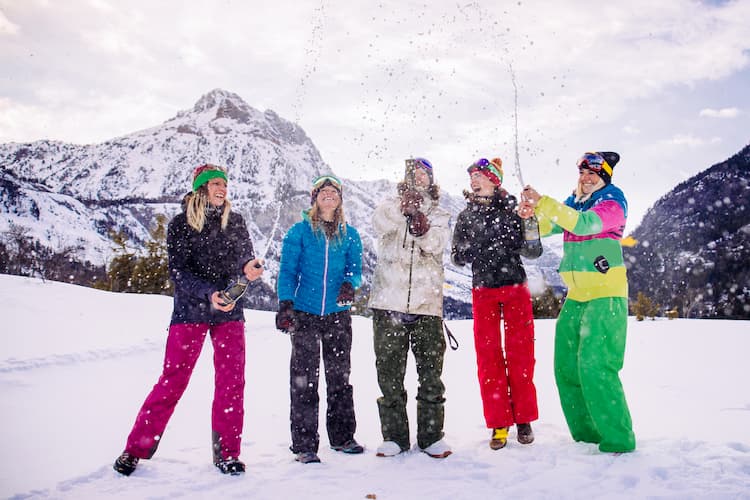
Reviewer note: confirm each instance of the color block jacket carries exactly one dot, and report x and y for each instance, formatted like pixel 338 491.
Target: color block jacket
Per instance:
pixel 313 267
pixel 592 265
pixel 409 275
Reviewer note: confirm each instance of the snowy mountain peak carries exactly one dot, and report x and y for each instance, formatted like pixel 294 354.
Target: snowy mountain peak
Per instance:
pixel 220 112
pixel 221 99
pixel 69 194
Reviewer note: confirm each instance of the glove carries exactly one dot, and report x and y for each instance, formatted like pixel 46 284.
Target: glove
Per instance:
pixel 418 224
pixel 346 295
pixel 411 201
pixel 286 319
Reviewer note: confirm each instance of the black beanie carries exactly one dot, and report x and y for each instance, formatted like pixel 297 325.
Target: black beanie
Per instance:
pixel 611 158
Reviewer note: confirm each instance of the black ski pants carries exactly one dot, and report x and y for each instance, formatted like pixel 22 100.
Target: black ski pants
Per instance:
pixel 332 332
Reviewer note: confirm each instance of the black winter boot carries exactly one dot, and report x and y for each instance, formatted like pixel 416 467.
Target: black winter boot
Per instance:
pixel 125 463
pixel 230 466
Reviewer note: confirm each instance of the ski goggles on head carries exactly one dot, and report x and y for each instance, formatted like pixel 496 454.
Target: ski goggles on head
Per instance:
pixel 594 162
pixel 486 166
pixel 422 162
pixel 319 181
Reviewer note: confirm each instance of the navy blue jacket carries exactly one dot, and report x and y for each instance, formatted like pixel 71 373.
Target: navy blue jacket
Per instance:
pixel 202 263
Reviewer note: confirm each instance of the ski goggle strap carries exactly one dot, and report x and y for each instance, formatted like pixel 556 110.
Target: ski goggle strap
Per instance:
pixel 320 180
pixel 594 162
pixel 488 168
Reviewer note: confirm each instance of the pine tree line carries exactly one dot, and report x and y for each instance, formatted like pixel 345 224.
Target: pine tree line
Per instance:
pixel 23 255
pixel 144 271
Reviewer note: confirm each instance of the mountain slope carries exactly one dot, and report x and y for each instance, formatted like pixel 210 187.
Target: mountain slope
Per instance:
pixel 695 244
pixel 65 193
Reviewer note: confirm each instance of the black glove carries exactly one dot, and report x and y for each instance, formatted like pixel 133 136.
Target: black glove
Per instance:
pixel 411 201
pixel 418 224
pixel 462 257
pixel 346 295
pixel 286 319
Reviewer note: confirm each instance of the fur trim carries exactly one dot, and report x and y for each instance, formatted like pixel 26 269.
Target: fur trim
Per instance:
pixel 433 191
pixel 501 198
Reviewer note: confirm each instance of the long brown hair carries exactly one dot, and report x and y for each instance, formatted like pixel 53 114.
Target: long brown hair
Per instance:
pixel 195 209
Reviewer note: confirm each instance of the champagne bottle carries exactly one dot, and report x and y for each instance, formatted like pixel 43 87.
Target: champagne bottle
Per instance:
pixel 234 291
pixel 237 288
pixel 533 244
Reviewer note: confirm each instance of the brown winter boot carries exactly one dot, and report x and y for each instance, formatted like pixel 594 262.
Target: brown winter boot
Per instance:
pixel 524 433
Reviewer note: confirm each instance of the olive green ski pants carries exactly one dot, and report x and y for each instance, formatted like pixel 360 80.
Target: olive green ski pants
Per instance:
pixel 392 338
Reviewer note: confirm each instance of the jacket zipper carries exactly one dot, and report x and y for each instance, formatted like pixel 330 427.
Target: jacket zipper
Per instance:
pixel 411 265
pixel 325 281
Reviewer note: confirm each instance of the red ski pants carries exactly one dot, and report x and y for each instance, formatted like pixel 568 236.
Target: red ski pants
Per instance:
pixel 506 380
pixel 184 344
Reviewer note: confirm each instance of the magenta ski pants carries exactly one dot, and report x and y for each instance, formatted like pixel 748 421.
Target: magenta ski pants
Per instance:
pixel 184 344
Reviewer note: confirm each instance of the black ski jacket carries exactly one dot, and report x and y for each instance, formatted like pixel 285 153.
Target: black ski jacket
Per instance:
pixel 489 236
pixel 202 263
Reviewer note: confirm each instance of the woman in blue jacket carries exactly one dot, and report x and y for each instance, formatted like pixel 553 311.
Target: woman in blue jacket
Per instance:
pixel 321 266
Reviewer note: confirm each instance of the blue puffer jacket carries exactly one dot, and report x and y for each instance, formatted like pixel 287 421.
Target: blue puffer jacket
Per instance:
pixel 202 263
pixel 313 267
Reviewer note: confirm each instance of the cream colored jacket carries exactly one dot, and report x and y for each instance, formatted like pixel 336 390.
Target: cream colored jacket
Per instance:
pixel 409 273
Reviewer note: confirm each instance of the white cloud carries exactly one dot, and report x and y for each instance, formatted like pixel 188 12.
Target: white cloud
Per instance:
pixel 372 83
pixel 691 141
pixel 6 26
pixel 631 130
pixel 720 113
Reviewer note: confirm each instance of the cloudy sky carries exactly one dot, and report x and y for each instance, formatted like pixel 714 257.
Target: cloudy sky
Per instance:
pixel 665 84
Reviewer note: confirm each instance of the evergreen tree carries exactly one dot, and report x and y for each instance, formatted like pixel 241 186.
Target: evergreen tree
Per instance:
pixel 147 273
pixel 644 307
pixel 150 272
pixel 122 264
pixel 548 304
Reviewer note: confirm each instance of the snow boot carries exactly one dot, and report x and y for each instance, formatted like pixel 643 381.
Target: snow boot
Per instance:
pixel 307 457
pixel 125 463
pixel 524 433
pixel 230 466
pixel 438 449
pixel 389 449
pixel 351 447
pixel 499 438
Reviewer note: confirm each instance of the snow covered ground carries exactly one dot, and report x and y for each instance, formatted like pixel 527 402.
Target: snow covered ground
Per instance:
pixel 76 363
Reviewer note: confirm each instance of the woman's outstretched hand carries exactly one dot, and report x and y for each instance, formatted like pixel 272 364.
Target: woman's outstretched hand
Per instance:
pixel 253 269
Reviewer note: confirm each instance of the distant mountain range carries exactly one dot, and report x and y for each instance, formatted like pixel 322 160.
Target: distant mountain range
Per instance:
pixel 693 253
pixel 75 194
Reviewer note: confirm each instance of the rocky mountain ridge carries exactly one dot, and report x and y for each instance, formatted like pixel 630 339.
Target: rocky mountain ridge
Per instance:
pixel 693 253
pixel 67 193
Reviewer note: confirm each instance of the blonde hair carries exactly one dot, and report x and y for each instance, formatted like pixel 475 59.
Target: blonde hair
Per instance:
pixel 195 208
pixel 339 220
